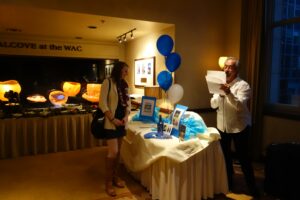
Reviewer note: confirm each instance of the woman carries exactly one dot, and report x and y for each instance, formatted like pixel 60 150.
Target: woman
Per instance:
pixel 115 104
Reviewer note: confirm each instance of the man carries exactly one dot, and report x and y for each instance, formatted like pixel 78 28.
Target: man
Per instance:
pixel 234 122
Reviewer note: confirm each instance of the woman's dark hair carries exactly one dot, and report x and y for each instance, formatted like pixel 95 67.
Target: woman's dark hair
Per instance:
pixel 116 71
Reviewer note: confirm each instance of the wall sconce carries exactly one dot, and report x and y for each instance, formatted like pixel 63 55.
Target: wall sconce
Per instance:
pixel 6 86
pixel 123 37
pixel 222 60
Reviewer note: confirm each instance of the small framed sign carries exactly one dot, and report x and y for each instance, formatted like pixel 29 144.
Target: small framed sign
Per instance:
pixel 182 129
pixel 168 128
pixel 148 108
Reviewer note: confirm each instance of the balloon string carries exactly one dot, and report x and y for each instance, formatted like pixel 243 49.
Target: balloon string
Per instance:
pixel 168 104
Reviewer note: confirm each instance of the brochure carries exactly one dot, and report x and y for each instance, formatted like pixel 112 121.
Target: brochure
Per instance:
pixel 214 79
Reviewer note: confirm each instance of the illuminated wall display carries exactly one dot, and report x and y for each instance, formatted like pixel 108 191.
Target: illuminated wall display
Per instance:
pixel 39 75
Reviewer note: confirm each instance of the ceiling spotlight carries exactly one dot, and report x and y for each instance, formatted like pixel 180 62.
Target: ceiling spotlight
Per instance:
pixel 120 40
pixel 131 35
pixel 124 38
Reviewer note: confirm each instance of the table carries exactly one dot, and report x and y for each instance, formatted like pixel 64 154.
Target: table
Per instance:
pixel 38 135
pixel 171 169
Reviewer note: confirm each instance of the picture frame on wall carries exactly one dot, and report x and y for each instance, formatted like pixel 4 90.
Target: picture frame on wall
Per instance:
pixel 144 71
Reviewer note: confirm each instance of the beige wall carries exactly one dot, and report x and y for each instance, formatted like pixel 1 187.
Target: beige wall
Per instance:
pixel 232 28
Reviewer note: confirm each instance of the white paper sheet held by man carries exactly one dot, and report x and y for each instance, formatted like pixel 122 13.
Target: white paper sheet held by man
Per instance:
pixel 214 79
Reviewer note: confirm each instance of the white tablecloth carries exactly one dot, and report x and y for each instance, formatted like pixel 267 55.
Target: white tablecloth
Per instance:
pixel 171 169
pixel 37 135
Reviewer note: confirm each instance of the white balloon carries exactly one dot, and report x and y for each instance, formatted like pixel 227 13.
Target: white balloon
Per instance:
pixel 175 93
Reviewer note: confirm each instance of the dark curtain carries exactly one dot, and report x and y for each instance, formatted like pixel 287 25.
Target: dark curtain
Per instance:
pixel 252 16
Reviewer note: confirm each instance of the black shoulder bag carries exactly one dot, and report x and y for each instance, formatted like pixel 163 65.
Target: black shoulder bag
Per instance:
pixel 97 125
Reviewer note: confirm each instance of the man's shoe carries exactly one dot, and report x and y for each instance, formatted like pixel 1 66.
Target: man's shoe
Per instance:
pixel 254 192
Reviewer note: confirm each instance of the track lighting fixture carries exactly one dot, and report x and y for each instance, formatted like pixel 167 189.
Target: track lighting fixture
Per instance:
pixel 123 37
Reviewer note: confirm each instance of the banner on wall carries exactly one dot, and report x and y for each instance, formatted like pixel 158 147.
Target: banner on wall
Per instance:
pixel 39 46
pixel 56 48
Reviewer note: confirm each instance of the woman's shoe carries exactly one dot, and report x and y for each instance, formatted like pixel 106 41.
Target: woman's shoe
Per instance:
pixel 109 177
pixel 118 182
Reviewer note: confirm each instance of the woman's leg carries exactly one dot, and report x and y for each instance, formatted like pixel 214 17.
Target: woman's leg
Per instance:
pixel 112 145
pixel 116 179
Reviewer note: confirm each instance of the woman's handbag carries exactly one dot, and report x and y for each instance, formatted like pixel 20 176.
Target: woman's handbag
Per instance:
pixel 97 125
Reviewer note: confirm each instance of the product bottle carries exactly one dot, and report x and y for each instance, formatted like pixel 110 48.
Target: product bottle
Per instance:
pixel 160 126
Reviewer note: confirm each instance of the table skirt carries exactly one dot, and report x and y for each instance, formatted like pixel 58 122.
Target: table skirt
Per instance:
pixel 37 135
pixel 199 177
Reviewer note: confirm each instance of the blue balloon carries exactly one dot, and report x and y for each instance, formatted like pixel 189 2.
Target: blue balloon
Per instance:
pixel 164 80
pixel 165 44
pixel 173 61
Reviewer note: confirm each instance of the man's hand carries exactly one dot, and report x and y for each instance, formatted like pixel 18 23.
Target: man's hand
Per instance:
pixel 225 88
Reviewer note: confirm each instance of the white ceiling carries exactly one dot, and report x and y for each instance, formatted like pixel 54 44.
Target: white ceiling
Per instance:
pixel 53 24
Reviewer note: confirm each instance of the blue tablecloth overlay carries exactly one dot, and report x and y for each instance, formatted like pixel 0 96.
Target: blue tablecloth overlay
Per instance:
pixel 193 122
